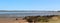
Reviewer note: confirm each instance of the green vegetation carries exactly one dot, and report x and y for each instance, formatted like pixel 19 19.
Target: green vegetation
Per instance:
pixel 39 18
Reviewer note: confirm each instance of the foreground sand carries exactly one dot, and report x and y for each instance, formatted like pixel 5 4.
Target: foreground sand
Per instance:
pixel 12 20
pixel 7 20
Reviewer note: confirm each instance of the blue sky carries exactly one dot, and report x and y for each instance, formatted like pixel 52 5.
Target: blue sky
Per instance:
pixel 29 4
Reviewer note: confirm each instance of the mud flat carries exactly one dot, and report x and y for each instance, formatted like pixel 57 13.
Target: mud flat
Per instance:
pixel 7 20
pixel 12 20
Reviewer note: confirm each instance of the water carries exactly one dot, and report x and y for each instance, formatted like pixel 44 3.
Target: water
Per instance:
pixel 19 14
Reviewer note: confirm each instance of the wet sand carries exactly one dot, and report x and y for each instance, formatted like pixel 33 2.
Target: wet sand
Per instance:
pixel 7 20
pixel 11 20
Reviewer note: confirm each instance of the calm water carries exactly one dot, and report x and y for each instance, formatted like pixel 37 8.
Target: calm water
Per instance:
pixel 18 14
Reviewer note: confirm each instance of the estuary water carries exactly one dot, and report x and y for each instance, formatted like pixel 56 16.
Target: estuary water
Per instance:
pixel 19 14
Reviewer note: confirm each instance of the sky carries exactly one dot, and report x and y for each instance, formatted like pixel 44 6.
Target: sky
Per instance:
pixel 30 5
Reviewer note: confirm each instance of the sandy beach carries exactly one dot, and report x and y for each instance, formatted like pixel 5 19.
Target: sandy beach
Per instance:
pixel 12 20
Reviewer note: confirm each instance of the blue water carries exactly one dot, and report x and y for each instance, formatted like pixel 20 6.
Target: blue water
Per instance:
pixel 18 14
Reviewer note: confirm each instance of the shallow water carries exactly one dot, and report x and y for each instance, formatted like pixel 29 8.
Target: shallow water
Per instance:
pixel 19 14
